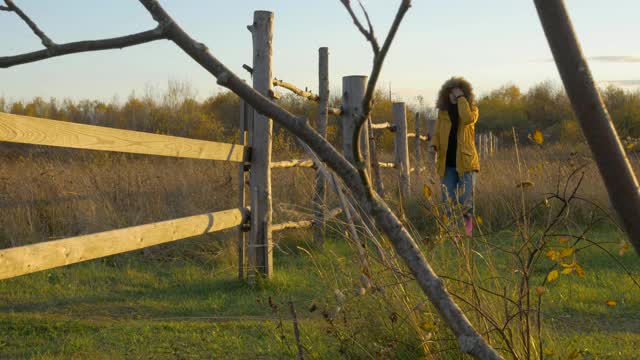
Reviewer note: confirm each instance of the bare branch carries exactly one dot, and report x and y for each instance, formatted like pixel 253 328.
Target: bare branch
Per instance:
pixel 366 16
pixel 83 46
pixel 44 38
pixel 367 101
pixel 305 94
pixel 367 34
pixel 4 8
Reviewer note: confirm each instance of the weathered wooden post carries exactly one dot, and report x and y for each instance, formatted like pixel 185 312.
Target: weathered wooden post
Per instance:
pixel 492 143
pixel 260 247
pixel 418 163
pixel 402 146
pixel 246 116
pixel 319 198
pixel 430 127
pixel 353 88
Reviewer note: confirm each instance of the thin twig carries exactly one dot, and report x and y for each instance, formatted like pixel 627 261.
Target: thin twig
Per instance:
pixel 36 30
pixel 367 34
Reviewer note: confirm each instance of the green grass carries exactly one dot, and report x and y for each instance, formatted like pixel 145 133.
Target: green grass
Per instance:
pixel 125 307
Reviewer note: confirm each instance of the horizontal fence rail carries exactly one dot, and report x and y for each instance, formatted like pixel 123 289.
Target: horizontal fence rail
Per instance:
pixel 387 165
pixel 37 131
pixel 422 137
pixel 304 224
pixel 292 163
pixel 384 126
pixel 51 254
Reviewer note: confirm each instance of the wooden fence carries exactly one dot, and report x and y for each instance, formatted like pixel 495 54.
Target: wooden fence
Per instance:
pixel 253 215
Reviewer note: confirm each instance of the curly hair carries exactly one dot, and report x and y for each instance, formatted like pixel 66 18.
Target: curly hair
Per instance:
pixel 459 82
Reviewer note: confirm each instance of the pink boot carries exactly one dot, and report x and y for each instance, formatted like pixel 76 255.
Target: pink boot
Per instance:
pixel 468 226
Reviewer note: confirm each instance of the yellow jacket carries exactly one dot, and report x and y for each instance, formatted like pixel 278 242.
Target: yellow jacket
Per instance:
pixel 466 154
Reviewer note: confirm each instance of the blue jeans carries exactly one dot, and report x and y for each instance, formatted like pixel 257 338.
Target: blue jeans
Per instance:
pixel 458 190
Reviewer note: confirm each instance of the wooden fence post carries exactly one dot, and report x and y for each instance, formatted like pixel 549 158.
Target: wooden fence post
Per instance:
pixel 418 163
pixel 319 198
pixel 242 182
pixel 260 248
pixel 402 146
pixel 430 127
pixel 353 88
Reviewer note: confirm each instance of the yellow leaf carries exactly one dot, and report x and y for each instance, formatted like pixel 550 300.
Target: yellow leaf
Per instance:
pixel 552 276
pixel 548 352
pixel 573 355
pixel 566 252
pixel 564 240
pixel 540 290
pixel 624 247
pixel 579 271
pixel 445 218
pixel 428 326
pixel 538 137
pixel 572 265
pixel 552 254
pixel 611 303
pixel 479 220
pixel 426 190
pixel 567 271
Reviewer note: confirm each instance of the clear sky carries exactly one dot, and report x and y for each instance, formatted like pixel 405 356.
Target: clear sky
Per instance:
pixel 491 42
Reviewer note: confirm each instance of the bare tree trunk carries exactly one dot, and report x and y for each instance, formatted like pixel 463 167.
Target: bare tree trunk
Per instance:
pixel 601 135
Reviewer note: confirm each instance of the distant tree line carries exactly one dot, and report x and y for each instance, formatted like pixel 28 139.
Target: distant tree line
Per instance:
pixel 177 111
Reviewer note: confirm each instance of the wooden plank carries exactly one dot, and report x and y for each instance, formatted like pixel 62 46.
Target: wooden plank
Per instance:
pixel 384 126
pixel 292 163
pixel 387 165
pixel 260 247
pixel 37 131
pixel 51 254
pixel 413 135
pixel 303 224
pixel 320 194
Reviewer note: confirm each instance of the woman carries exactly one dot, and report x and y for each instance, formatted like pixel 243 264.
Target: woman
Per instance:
pixel 454 141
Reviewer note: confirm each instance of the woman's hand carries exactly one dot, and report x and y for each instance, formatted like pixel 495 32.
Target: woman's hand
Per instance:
pixel 457 92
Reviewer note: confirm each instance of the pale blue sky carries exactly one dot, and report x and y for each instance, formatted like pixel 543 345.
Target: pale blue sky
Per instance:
pixel 491 42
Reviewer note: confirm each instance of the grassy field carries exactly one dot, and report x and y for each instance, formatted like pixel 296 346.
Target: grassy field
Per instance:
pixel 125 307
pixel 183 300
